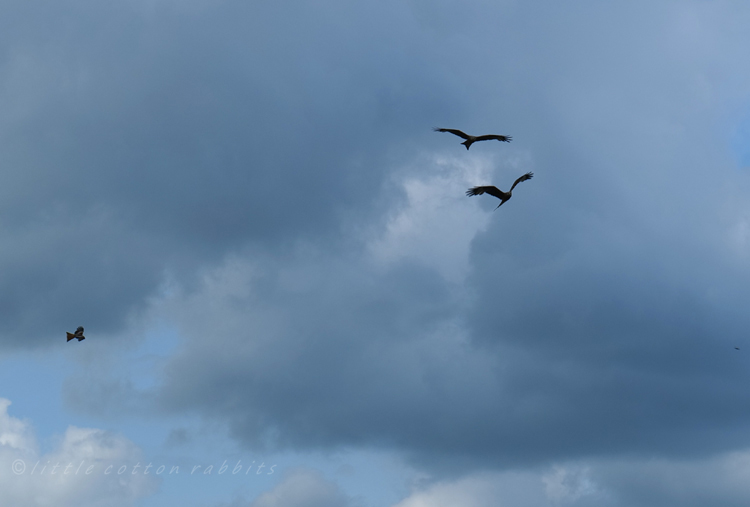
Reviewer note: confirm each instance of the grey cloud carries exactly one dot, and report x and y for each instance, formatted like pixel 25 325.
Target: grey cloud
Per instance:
pixel 335 343
pixel 547 364
pixel 647 482
pixel 719 480
pixel 247 149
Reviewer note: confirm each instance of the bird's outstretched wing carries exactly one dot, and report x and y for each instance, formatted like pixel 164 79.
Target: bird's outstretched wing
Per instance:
pixel 493 191
pixel 452 131
pixel 525 177
pixel 490 137
pixel 79 330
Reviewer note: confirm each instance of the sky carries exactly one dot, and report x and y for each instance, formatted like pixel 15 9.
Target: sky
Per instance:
pixel 288 299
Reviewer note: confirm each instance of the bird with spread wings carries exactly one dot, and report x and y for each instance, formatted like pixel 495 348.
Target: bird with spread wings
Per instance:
pixel 496 192
pixel 473 139
pixel 78 334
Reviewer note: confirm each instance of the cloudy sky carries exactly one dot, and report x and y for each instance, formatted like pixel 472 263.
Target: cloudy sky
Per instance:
pixel 290 302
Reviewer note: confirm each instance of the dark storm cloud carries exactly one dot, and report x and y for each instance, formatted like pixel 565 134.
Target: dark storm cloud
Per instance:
pixel 143 137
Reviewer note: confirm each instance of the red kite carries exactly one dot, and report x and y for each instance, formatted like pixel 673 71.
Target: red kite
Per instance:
pixel 496 192
pixel 78 334
pixel 473 139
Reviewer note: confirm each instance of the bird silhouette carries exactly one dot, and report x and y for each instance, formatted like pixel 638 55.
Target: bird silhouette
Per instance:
pixel 473 139
pixel 78 334
pixel 496 192
pixel 736 348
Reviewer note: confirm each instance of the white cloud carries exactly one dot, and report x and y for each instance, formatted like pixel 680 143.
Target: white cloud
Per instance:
pixel 14 433
pixel 438 222
pixel 481 490
pixel 75 473
pixel 303 488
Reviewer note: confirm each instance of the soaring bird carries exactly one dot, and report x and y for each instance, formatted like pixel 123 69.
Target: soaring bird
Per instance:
pixel 473 139
pixel 78 334
pixel 496 192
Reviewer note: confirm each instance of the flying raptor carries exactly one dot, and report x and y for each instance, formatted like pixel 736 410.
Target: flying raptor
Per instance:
pixel 496 192
pixel 473 139
pixel 78 334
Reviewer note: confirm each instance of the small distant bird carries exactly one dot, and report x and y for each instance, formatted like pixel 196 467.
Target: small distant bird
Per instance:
pixel 473 139
pixel 78 334
pixel 496 192
pixel 736 348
